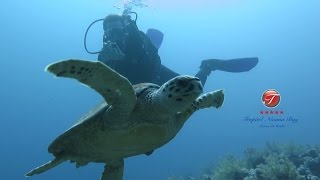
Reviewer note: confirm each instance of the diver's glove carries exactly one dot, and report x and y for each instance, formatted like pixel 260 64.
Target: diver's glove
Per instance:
pixel 112 51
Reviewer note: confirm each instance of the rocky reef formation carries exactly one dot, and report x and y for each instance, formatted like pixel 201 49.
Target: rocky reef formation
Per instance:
pixel 274 162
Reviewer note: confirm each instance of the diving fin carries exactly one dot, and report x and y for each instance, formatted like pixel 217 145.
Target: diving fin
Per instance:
pixel 233 65
pixel 155 36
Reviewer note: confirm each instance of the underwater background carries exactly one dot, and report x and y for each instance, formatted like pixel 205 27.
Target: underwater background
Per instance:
pixel 36 108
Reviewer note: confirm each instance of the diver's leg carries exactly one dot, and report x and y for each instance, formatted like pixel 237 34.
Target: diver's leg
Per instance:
pixel 113 171
pixel 205 70
pixel 202 74
pixel 165 75
pixel 231 65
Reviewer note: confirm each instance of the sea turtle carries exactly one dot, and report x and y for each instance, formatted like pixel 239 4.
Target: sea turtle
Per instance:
pixel 137 119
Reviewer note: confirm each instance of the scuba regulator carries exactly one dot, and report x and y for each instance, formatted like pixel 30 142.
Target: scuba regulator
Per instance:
pixel 127 21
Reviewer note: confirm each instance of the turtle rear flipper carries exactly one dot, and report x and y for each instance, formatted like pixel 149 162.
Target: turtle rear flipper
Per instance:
pixel 113 171
pixel 45 167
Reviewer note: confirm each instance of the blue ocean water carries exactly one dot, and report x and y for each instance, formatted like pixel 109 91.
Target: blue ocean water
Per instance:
pixel 36 108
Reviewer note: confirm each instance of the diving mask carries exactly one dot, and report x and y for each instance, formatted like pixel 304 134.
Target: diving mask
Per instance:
pixel 116 33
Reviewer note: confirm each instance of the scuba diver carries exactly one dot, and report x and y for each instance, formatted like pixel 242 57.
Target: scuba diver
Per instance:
pixel 134 54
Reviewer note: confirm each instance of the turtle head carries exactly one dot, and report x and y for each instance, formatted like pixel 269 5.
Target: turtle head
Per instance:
pixel 180 92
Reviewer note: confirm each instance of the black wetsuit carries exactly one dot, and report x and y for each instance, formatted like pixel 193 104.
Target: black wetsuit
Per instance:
pixel 142 62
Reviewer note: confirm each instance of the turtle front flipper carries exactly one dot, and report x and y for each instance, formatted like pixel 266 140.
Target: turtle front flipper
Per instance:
pixel 113 171
pixel 45 167
pixel 115 89
pixel 210 99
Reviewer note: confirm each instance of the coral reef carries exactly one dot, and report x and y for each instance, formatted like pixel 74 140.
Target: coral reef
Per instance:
pixel 276 166
pixel 181 178
pixel 274 162
pixel 230 168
